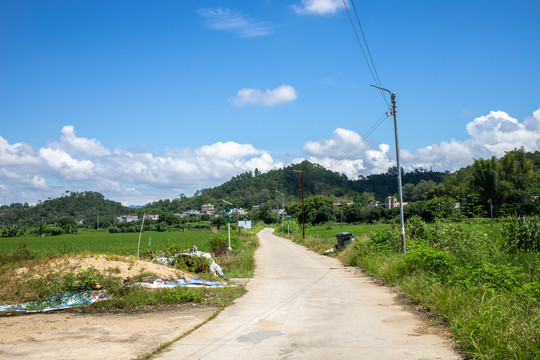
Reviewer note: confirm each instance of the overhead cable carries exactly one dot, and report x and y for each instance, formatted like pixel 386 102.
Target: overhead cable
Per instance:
pixel 371 65
pixel 362 139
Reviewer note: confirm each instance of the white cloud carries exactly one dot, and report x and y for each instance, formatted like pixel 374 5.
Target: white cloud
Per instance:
pixel 79 164
pixel 492 134
pixel 270 97
pixel 88 146
pixel 235 22
pixel 69 167
pixel 18 154
pixel 346 152
pixel 499 132
pixel 318 7
pixel 39 182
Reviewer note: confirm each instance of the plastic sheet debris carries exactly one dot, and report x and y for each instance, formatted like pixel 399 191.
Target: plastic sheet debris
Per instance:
pixel 188 282
pixel 59 302
pixel 214 267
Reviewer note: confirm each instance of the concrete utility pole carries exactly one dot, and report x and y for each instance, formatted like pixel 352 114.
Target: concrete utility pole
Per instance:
pixel 393 112
pixel 303 212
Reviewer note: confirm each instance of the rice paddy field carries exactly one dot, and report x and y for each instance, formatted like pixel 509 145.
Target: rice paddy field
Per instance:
pixel 103 242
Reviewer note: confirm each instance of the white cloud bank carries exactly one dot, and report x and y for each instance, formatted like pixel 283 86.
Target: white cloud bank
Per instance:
pixel 492 134
pixel 79 164
pixel 318 7
pixel 269 97
pixel 235 22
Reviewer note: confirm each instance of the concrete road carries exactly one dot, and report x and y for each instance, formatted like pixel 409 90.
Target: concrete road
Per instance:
pixel 301 305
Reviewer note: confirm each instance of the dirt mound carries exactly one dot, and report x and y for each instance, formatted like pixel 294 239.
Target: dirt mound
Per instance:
pixel 119 266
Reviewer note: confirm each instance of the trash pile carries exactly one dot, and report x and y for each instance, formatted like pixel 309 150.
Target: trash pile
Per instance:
pixel 173 260
pixel 158 283
pixel 59 302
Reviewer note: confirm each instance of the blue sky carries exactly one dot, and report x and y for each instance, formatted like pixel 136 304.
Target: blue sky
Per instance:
pixel 143 100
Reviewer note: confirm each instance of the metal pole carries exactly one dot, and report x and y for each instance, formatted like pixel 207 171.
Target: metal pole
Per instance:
pixel 229 225
pixel 229 232
pixel 394 111
pixel 283 210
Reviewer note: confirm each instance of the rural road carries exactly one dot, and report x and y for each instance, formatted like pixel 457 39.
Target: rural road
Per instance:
pixel 301 305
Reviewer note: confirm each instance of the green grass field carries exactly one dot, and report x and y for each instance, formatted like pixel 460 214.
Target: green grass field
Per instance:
pixel 103 242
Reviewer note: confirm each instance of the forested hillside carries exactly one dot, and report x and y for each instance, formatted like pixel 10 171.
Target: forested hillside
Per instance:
pixel 78 205
pixel 248 189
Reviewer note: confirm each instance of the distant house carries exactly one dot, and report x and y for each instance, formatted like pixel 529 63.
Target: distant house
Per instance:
pixel 208 209
pixel 391 202
pixel 340 204
pixel 151 217
pixel 239 211
pixel 79 222
pixel 192 213
pixel 127 218
pixel 256 207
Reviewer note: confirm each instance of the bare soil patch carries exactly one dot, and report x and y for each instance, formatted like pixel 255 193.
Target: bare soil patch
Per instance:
pixel 63 335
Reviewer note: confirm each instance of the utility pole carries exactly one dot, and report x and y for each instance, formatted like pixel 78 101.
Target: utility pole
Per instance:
pixel 303 212
pixel 393 111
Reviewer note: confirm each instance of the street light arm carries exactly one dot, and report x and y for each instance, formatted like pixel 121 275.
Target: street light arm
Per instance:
pixel 378 87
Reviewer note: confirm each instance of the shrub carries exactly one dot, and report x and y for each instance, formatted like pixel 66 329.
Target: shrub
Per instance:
pixel 192 264
pixel 180 295
pixel 219 245
pixel 387 239
pixel 436 262
pixel 416 228
pixel 85 279
pixel 53 231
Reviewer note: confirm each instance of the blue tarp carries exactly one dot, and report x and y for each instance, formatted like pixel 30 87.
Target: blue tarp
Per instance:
pixel 191 282
pixel 59 302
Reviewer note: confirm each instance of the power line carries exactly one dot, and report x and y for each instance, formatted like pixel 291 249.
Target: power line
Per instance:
pixel 371 66
pixel 365 41
pixel 358 143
